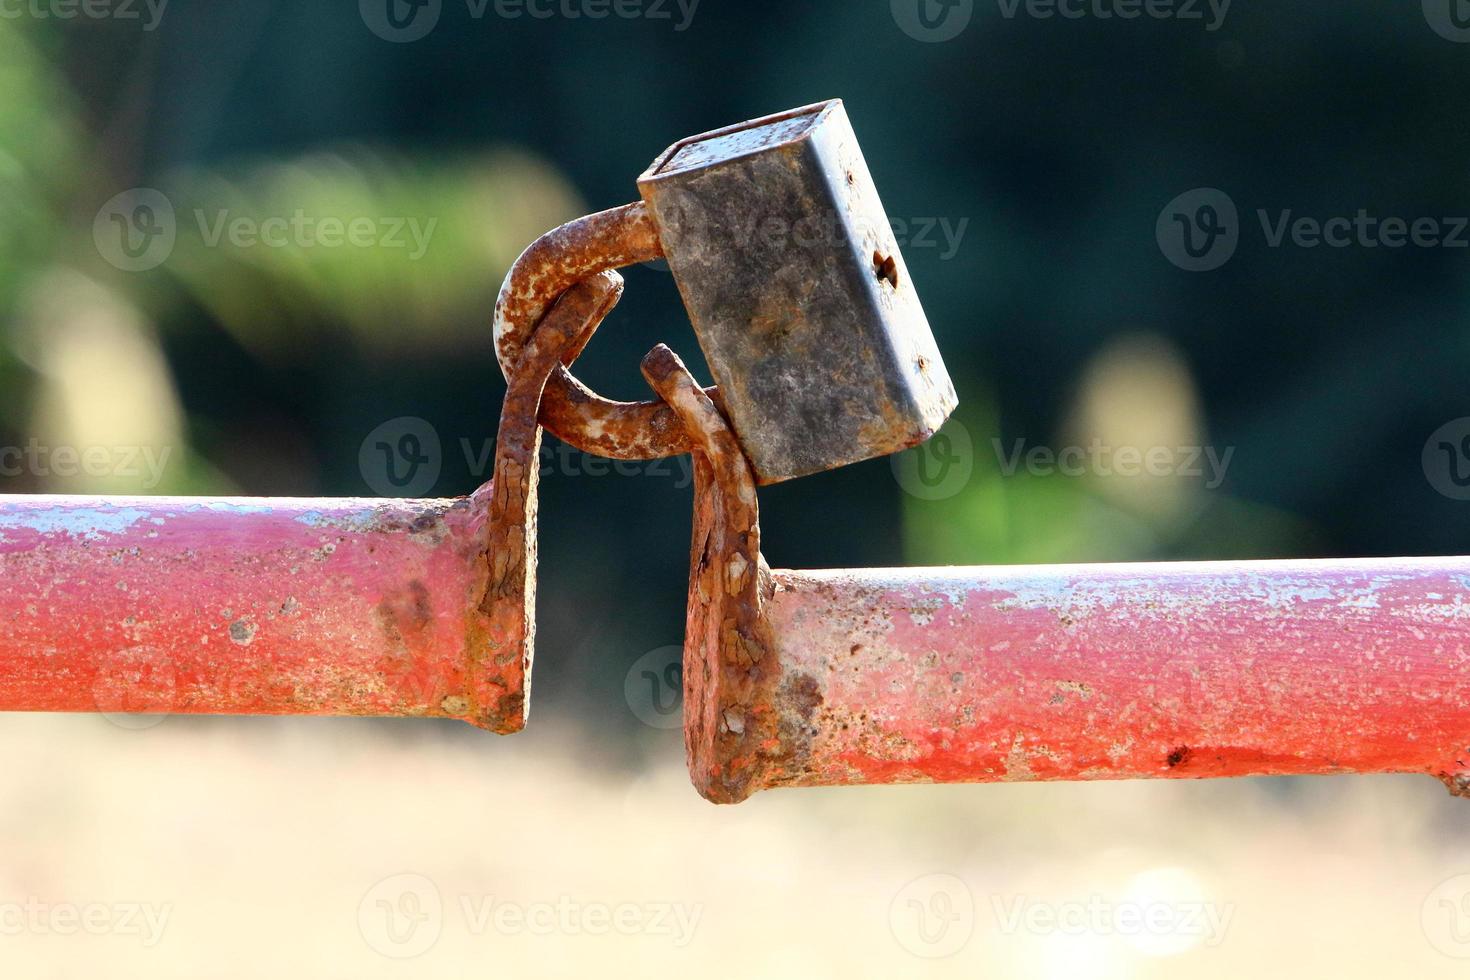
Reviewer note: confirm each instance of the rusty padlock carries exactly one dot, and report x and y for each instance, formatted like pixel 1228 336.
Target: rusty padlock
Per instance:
pixel 794 283
pixel 425 608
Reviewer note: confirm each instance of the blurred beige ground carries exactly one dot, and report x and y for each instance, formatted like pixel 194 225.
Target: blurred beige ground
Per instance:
pixel 342 848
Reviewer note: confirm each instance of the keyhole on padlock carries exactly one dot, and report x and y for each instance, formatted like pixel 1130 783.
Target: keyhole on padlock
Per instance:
pixel 886 269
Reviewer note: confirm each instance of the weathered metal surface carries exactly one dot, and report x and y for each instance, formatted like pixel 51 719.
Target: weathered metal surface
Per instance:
pixel 551 265
pixel 249 606
pixel 1180 670
pixel 274 606
pixel 613 429
pixel 798 293
pixel 727 661
pixel 1104 672
pixel 507 607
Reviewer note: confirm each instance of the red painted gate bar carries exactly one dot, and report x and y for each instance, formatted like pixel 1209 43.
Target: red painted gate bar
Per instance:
pixel 261 606
pixel 1069 672
pixel 1122 671
pixel 266 606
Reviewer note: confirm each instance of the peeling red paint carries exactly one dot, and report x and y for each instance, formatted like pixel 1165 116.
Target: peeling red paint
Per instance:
pixel 302 607
pixel 1099 672
pixel 264 606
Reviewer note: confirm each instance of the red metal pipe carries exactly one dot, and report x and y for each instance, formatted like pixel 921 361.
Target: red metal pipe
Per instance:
pixel 1185 670
pixel 316 607
pixel 1121 671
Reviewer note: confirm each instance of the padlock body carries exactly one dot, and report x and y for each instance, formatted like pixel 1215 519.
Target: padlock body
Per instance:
pixel 801 301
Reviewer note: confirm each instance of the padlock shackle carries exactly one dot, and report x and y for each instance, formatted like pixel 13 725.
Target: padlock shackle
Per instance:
pixel 571 411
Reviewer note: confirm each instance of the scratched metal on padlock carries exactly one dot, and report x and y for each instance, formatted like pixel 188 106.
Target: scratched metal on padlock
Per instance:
pixel 798 293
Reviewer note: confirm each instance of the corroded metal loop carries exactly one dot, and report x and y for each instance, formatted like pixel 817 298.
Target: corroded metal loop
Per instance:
pixel 569 409
pixel 507 602
pixel 731 720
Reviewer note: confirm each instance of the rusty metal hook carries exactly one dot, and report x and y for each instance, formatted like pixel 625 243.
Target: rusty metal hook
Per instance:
pixel 570 410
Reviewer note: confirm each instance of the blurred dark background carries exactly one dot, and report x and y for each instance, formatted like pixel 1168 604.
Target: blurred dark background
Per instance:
pixel 1032 160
